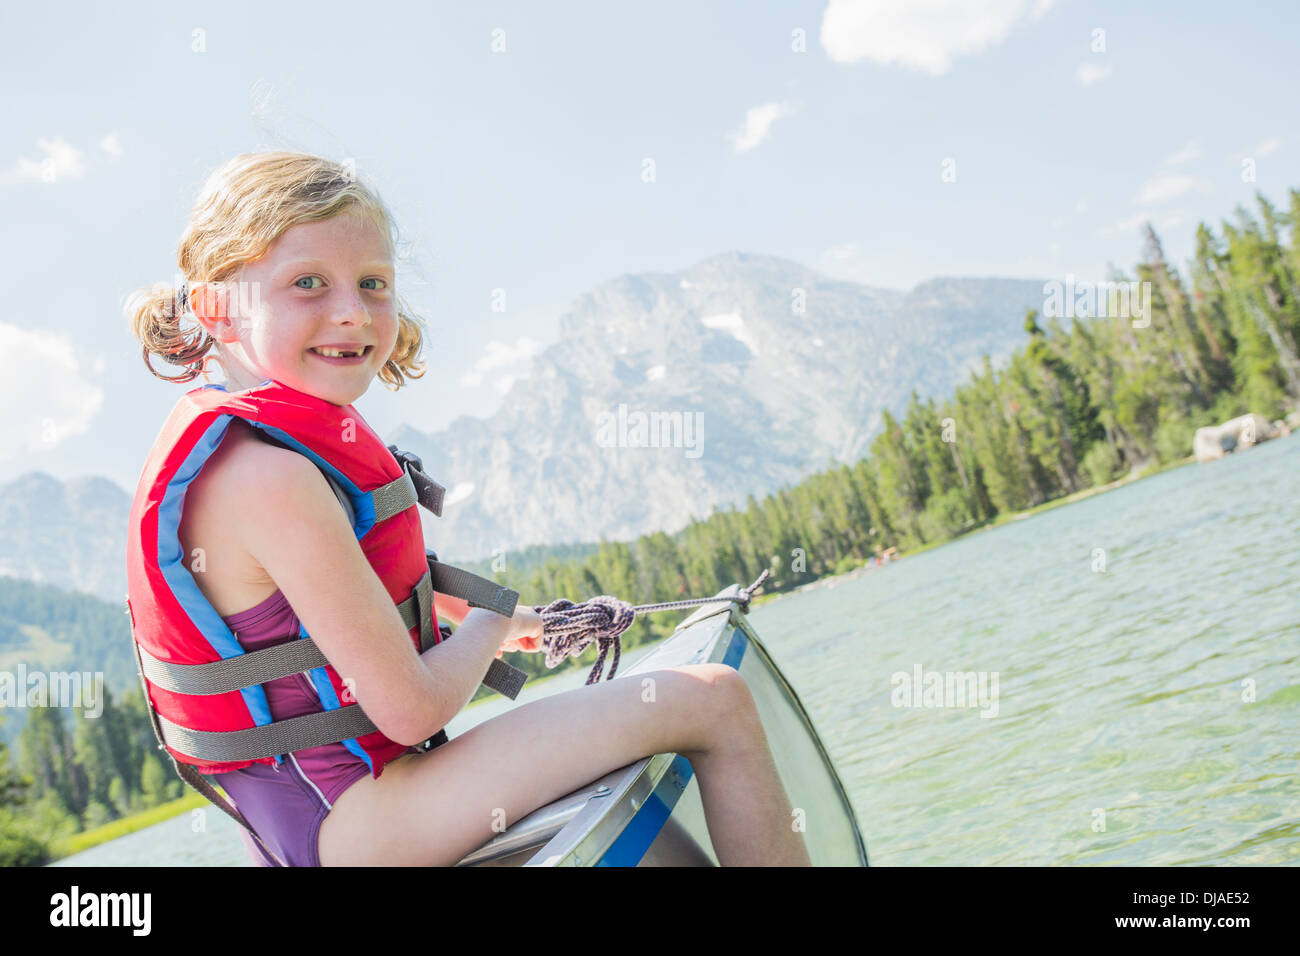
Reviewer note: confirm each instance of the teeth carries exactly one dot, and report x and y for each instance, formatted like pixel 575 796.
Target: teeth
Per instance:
pixel 336 353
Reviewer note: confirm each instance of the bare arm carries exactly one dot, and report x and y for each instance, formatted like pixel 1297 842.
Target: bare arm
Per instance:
pixel 290 522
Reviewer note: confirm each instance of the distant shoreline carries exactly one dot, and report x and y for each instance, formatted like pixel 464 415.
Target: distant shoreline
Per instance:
pixel 1001 519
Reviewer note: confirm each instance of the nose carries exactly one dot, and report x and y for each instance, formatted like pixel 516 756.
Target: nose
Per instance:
pixel 353 311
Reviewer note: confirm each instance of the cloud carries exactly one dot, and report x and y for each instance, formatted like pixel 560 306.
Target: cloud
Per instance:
pixel 1133 223
pixel 1189 152
pixel 1265 148
pixel 499 355
pixel 1089 73
pixel 111 145
pixel 758 123
pixel 1165 186
pixel 41 388
pixel 919 34
pixel 61 160
pixel 1124 225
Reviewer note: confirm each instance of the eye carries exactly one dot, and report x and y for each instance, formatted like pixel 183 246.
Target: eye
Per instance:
pixel 381 288
pixel 304 277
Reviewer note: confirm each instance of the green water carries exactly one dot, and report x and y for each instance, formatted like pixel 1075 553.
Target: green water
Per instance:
pixel 1123 733
pixel 1120 690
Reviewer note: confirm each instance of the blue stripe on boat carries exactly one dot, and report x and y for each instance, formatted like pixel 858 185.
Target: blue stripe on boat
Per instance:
pixel 644 827
pixel 736 649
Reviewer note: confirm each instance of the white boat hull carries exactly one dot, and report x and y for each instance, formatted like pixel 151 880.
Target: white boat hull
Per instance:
pixel 650 813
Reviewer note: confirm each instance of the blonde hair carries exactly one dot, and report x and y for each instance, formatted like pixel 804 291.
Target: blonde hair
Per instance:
pixel 245 205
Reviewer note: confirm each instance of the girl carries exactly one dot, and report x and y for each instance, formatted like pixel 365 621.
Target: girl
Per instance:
pixel 309 251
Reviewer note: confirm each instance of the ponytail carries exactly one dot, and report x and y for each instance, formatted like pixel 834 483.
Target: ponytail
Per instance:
pixel 155 314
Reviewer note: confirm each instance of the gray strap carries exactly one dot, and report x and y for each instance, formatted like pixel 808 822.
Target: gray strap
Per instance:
pixel 196 780
pixel 411 488
pixel 505 679
pixel 476 591
pixel 418 609
pixel 298 733
pixel 294 657
pixel 430 492
pixel 269 740
pixel 279 660
pixel 394 497
pixel 191 776
pixel 232 673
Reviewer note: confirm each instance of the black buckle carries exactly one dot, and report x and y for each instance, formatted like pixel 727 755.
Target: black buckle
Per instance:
pixel 437 740
pixel 427 491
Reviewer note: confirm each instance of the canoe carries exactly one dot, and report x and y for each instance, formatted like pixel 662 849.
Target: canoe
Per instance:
pixel 649 813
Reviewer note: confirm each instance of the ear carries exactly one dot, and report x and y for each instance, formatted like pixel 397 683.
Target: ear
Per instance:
pixel 209 302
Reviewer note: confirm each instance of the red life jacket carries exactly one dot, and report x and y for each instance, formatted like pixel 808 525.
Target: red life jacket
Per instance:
pixel 177 631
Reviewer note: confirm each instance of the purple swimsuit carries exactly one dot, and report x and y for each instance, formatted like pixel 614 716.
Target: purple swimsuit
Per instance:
pixel 286 804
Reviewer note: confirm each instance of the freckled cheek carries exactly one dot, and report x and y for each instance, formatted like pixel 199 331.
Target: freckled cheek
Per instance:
pixel 277 350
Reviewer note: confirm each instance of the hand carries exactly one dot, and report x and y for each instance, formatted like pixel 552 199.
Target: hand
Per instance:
pixel 525 631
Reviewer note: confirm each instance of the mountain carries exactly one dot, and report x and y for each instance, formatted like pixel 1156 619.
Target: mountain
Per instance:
pixel 69 534
pixel 759 371
pixel 778 368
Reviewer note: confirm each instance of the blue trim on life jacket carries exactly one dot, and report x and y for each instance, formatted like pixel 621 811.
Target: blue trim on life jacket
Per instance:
pixel 363 507
pixel 363 503
pixel 222 385
pixel 179 579
pixel 330 701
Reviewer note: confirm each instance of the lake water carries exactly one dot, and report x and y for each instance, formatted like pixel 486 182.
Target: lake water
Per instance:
pixel 1145 644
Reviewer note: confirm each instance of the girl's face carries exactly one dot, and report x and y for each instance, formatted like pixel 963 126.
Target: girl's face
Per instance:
pixel 320 287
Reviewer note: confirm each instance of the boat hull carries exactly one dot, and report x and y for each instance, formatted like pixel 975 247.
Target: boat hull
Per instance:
pixel 649 813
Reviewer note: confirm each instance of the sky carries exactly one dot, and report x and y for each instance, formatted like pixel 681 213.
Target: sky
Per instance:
pixel 541 149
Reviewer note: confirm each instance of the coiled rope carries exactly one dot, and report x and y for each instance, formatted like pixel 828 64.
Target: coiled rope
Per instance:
pixel 569 628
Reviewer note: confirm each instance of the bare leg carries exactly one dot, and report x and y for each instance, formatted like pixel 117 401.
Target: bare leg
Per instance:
pixel 750 820
pixel 434 808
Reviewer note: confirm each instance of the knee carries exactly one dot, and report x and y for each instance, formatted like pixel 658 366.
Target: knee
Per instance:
pixel 723 692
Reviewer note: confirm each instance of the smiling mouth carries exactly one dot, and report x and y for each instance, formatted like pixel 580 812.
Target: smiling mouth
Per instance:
pixel 342 355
